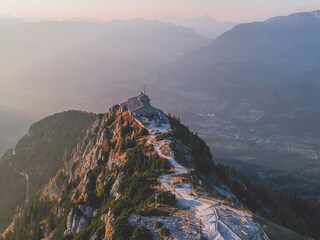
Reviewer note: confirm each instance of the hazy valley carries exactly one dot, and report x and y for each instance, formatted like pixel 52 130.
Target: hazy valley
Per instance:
pixel 251 91
pixel 249 105
pixel 254 95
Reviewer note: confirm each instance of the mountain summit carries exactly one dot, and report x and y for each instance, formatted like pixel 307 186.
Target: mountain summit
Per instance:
pixel 305 17
pixel 135 173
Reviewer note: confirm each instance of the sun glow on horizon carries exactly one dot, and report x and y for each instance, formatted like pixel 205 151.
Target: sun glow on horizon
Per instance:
pixel 228 10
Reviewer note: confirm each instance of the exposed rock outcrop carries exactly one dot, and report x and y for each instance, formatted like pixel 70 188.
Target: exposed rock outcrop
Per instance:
pixel 79 218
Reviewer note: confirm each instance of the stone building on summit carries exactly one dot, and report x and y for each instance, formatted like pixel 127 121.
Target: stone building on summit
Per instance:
pixel 140 108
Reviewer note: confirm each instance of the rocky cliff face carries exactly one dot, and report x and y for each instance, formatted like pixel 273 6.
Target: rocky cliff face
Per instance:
pixel 122 181
pixel 93 172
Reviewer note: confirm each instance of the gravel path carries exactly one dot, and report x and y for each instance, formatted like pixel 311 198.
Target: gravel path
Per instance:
pixel 219 221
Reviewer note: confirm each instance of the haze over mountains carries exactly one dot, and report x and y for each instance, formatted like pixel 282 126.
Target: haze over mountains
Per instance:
pixel 288 46
pixel 205 25
pixel 50 66
pixel 12 124
pixel 255 92
pixel 252 93
pixel 57 59
pixel 256 57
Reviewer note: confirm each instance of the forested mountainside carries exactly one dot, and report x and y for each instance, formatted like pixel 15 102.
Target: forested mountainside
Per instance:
pixel 37 157
pixel 122 181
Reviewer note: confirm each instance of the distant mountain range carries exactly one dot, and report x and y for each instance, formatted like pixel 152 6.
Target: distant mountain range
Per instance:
pixel 253 94
pixel 205 25
pixel 49 66
pixel 256 86
pixel 57 58
pixel 274 58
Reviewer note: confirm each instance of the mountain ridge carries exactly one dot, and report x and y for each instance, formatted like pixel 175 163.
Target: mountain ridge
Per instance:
pixel 204 25
pixel 312 16
pixel 116 172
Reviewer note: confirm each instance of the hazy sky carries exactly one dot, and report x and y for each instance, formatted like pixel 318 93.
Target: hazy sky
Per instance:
pixel 232 10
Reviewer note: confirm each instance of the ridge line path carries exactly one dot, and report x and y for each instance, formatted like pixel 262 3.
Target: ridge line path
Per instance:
pixel 219 221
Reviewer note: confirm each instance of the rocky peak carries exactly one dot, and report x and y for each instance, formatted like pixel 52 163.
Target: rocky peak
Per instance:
pixel 123 181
